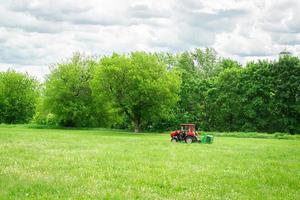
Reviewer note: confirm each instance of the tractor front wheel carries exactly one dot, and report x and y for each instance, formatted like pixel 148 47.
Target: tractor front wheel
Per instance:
pixel 189 140
pixel 173 140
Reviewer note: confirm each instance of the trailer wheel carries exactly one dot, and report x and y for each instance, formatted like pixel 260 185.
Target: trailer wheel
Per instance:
pixel 174 140
pixel 189 140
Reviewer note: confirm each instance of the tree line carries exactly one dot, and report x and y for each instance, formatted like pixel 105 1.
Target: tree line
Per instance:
pixel 158 91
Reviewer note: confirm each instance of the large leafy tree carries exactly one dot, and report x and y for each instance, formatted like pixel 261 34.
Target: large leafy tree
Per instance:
pixel 68 95
pixel 285 76
pixel 223 101
pixel 197 67
pixel 18 95
pixel 139 85
pixel 190 97
pixel 256 95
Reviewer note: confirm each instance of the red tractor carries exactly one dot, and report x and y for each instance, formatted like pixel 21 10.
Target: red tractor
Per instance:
pixel 186 134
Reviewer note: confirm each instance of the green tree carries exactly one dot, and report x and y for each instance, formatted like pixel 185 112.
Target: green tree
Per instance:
pixel 206 62
pixel 68 95
pixel 197 68
pixel 286 91
pixel 223 101
pixel 188 106
pixel 257 96
pixel 139 85
pixel 18 95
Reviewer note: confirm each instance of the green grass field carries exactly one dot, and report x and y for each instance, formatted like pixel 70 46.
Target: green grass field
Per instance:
pixel 95 164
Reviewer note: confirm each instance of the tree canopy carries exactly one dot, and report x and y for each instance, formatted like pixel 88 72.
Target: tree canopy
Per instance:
pixel 139 85
pixel 68 95
pixel 18 95
pixel 158 91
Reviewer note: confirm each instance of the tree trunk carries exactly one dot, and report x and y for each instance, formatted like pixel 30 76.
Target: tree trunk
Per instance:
pixel 137 125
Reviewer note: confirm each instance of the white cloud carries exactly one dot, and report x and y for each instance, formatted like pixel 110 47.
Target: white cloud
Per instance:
pixel 34 71
pixel 253 43
pixel 35 34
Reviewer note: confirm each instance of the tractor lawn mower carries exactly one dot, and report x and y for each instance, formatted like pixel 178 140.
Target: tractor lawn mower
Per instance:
pixel 188 134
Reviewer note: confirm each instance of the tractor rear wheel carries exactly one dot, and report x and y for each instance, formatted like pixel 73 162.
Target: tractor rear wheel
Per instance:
pixel 174 140
pixel 189 140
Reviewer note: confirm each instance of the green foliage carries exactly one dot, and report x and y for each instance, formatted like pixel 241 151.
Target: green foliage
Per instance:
pixel 206 62
pixel 138 85
pixel 158 92
pixel 68 99
pixel 219 94
pixel 223 103
pixel 198 94
pixel 18 95
pixel 285 77
pixel 263 97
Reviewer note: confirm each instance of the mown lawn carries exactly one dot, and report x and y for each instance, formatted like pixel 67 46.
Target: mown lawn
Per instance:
pixel 91 164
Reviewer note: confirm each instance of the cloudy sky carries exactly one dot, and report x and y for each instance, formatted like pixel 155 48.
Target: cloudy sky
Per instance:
pixel 37 33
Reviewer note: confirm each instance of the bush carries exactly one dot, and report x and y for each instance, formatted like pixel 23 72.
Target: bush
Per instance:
pixel 18 95
pixel 281 135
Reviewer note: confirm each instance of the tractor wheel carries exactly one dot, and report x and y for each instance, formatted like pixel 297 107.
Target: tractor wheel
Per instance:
pixel 189 140
pixel 174 140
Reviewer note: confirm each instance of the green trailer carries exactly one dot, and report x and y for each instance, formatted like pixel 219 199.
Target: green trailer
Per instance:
pixel 207 139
